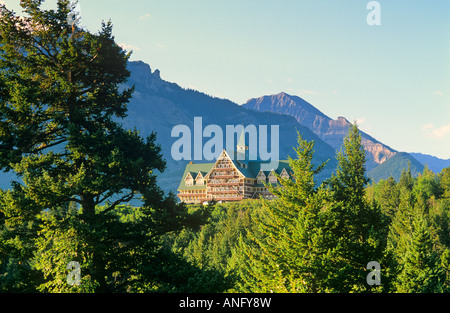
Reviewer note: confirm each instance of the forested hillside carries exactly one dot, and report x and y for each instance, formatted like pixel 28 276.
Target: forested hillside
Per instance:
pixel 320 238
pixel 313 238
pixel 68 226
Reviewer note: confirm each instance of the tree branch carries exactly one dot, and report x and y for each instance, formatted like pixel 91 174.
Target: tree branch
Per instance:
pixel 42 147
pixel 119 201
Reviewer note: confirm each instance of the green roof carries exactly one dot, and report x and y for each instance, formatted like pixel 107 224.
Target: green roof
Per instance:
pixel 251 170
pixel 253 167
pixel 194 169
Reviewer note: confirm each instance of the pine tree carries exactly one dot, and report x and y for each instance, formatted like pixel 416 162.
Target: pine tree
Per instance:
pixel 358 229
pixel 283 251
pixel 421 265
pixel 418 237
pixel 388 196
pixel 61 101
pixel 400 227
pixel 406 179
pixel 444 178
pixel 426 188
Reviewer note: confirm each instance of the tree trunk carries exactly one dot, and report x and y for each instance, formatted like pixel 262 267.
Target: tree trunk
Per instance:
pixel 98 271
pixel 88 205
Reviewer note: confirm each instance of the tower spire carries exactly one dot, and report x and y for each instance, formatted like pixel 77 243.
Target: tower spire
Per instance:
pixel 242 148
pixel 241 145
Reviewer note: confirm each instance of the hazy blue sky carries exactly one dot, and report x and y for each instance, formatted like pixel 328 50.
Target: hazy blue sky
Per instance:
pixel 393 78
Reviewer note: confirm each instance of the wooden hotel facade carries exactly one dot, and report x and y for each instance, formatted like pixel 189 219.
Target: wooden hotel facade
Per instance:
pixel 233 177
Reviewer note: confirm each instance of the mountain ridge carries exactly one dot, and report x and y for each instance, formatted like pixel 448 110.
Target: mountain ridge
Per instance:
pixel 394 167
pixel 158 105
pixel 434 163
pixel 329 130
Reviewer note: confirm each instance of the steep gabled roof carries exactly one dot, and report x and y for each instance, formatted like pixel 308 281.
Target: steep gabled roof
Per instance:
pixel 253 167
pixel 199 175
pixel 256 166
pixel 194 169
pixel 241 160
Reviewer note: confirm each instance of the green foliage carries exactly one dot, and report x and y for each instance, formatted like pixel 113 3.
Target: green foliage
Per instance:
pixel 210 247
pixel 421 268
pixel 418 236
pixel 61 101
pixel 283 252
pixel 320 238
pixel 60 241
pixel 388 196
pixel 426 186
pixel 394 165
pixel 444 179
pixel 357 227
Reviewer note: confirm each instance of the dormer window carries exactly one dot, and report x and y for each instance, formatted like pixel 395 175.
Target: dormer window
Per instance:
pixel 189 181
pixel 284 174
pixel 199 180
pixel 261 177
pixel 272 177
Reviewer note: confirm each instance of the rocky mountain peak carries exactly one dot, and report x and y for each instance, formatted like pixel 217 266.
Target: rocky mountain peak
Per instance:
pixel 141 73
pixel 342 121
pixel 329 130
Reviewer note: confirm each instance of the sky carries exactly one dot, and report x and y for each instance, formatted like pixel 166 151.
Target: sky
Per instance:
pixel 392 78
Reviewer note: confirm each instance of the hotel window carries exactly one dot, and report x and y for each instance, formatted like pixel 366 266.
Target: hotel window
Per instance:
pixel 261 177
pixel 284 174
pixel 272 178
pixel 189 181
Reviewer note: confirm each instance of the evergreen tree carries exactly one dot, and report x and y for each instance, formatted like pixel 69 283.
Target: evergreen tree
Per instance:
pixel 441 210
pixel 284 249
pixel 400 227
pixel 358 229
pixel 444 179
pixel 403 217
pixel 406 179
pixel 61 100
pixel 388 196
pixel 418 237
pixel 421 265
pixel 426 188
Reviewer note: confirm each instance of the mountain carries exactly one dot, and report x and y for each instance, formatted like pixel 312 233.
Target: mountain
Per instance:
pixel 435 164
pixel 329 130
pixel 158 105
pixel 394 167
